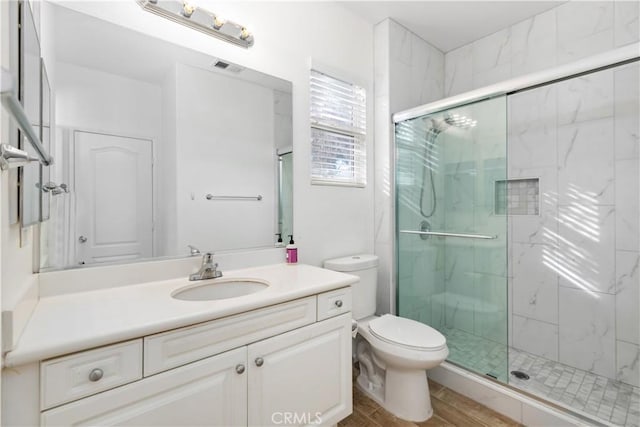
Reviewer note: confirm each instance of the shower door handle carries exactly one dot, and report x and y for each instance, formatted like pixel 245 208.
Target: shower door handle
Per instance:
pixel 445 234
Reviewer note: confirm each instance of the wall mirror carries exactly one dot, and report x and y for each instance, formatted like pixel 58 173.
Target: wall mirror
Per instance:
pixel 159 147
pixel 31 98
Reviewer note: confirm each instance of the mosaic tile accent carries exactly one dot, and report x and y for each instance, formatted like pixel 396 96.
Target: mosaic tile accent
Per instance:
pixel 518 197
pixel 601 398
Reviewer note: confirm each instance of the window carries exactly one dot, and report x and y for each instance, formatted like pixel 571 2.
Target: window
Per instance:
pixel 338 126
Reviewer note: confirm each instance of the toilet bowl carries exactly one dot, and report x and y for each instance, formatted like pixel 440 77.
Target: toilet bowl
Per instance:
pixel 394 352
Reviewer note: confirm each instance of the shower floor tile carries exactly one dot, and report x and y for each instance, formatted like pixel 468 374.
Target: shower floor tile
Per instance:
pixel 598 397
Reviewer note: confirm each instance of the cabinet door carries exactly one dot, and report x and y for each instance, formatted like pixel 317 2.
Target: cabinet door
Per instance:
pixel 302 377
pixel 211 392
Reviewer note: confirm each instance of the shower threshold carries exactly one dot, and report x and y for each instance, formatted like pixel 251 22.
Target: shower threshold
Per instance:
pixel 594 396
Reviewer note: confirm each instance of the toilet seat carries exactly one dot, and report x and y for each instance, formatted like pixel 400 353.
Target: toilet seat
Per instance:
pixel 407 333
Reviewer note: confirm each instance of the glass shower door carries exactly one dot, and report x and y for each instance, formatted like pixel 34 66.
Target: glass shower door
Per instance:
pixel 451 170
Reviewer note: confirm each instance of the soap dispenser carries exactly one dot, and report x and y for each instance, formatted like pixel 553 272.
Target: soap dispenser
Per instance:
pixel 279 243
pixel 292 251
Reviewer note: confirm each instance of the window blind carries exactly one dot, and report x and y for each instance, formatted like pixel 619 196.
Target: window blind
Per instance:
pixel 338 131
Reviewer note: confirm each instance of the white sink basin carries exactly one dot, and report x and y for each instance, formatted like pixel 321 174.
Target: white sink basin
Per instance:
pixel 216 289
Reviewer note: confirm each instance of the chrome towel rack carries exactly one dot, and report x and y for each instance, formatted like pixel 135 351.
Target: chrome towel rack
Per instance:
pixel 444 234
pixel 212 197
pixel 13 106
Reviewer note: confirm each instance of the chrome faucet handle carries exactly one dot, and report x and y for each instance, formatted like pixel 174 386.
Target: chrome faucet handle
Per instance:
pixel 193 251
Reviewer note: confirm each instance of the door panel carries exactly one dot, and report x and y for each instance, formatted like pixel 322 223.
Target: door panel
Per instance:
pixel 112 168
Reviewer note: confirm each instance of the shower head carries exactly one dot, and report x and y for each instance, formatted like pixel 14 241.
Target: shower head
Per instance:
pixel 439 125
pixel 460 121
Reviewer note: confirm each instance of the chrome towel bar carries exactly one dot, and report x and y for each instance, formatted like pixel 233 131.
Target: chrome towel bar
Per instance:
pixel 11 103
pixel 443 234
pixel 212 197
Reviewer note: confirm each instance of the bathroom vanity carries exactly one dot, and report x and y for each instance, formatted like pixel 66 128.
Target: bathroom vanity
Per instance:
pixel 135 355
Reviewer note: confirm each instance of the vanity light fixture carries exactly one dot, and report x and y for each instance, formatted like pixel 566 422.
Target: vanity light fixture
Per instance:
pixel 187 13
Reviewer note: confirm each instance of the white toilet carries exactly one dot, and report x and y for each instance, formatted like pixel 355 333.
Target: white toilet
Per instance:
pixel 393 352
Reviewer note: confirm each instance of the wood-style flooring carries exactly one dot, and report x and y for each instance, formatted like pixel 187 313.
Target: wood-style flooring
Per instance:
pixel 449 409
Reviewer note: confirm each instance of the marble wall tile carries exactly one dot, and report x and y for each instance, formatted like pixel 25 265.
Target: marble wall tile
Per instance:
pixel 586 163
pixel 586 247
pixel 584 98
pixel 381 58
pixel 400 46
pixel 628 204
pixel 427 71
pixel 533 45
pixel 535 337
pixel 535 282
pixel 626 24
pixel 627 111
pixel 628 363
pixel 491 58
pixel 627 296
pixel 458 72
pixel 459 283
pixel 584 28
pixel 383 208
pixel 532 128
pixel 417 68
pixel 587 331
pixel 490 310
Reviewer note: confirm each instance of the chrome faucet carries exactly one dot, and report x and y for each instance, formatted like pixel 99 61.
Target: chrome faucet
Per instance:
pixel 193 251
pixel 208 270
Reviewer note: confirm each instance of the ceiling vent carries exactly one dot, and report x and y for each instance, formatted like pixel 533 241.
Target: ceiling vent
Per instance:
pixel 221 65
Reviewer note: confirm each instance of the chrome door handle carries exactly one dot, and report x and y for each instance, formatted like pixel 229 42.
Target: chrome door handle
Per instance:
pixel 338 303
pixel 82 239
pixel 240 369
pixel 259 361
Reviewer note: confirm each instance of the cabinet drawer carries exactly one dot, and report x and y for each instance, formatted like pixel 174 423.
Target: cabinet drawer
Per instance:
pixel 211 392
pixel 333 303
pixel 82 374
pixel 178 347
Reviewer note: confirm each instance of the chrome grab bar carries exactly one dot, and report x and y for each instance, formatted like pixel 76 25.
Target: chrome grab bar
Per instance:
pixel 212 197
pixel 443 234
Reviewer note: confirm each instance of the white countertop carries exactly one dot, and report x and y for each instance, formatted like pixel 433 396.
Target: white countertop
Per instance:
pixel 68 323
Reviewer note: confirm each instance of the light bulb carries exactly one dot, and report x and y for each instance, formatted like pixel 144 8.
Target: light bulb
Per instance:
pixel 188 9
pixel 217 22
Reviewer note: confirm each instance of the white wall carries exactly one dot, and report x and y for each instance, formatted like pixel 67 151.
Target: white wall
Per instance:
pixel 328 221
pixel 225 147
pixel 167 211
pixel 91 99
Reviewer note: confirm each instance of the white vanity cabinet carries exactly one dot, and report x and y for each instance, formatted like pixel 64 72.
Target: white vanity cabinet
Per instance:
pixel 278 372
pixel 209 392
pixel 302 377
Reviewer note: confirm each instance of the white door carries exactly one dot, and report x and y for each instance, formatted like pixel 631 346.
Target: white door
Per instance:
pixel 113 189
pixel 302 377
pixel 211 392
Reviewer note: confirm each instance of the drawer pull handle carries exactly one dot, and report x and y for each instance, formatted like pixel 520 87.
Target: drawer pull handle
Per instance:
pixel 96 375
pixel 259 361
pixel 240 369
pixel 339 303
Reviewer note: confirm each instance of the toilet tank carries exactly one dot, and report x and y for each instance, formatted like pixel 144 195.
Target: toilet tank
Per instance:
pixel 364 292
